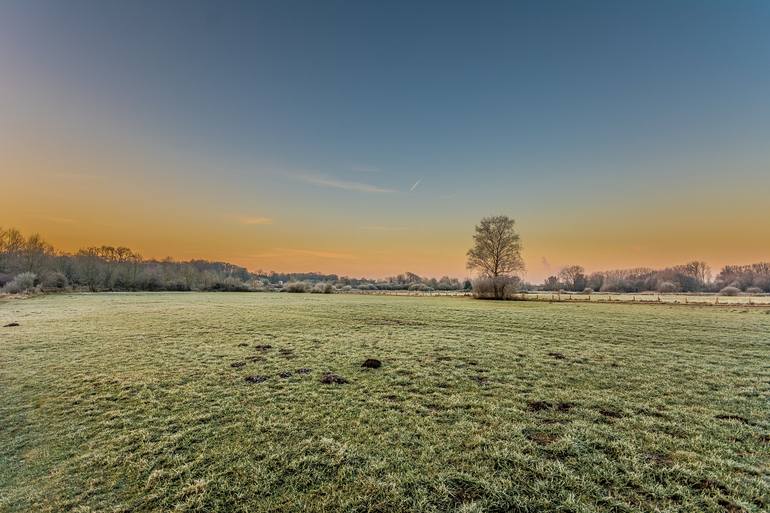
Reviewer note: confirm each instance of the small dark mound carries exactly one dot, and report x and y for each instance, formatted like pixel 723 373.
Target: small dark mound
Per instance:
pixel 243 344
pixel 539 405
pixel 540 437
pixel 371 363
pixel 235 365
pixel 558 356
pixel 285 374
pixel 736 418
pixel 11 325
pixel 659 459
pixel 612 414
pixel 256 358
pixel 481 380
pixel 710 484
pixel 729 507
pixel 329 378
pixel 263 347
pixel 255 379
pixel 304 370
pixel 565 406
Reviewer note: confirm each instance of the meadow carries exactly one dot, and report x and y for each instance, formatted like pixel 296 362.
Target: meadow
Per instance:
pixel 259 402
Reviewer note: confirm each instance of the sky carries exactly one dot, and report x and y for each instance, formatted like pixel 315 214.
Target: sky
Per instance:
pixel 368 138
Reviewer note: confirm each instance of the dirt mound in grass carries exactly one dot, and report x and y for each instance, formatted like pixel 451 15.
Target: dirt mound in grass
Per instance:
pixel 235 365
pixel 11 325
pixel 540 437
pixel 255 379
pixel 285 374
pixel 304 370
pixel 557 356
pixel 539 405
pixel 243 344
pixel 371 363
pixel 262 347
pixel 736 418
pixel 329 378
pixel 611 414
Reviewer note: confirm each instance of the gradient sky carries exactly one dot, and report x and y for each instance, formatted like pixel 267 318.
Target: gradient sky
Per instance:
pixel 367 138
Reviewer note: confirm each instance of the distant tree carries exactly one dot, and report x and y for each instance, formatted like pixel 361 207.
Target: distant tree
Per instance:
pixel 551 283
pixel 496 253
pixel 574 277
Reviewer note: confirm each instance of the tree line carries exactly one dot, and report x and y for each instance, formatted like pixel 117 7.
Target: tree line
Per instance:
pixel 30 263
pixel 693 276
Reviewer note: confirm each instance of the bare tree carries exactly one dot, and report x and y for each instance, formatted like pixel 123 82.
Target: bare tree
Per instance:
pixel 496 252
pixel 574 277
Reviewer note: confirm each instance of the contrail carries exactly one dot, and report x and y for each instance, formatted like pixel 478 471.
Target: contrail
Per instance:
pixel 415 185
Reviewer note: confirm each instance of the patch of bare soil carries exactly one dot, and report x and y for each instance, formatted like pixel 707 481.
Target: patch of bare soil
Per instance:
pixel 285 374
pixel 481 380
pixel 11 325
pixel 243 344
pixel 329 378
pixel 371 363
pixel 539 405
pixel 736 418
pixel 659 459
pixel 540 437
pixel 557 356
pixel 255 379
pixel 235 365
pixel 611 414
pixel 263 347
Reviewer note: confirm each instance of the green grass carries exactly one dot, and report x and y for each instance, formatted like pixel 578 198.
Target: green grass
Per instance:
pixel 129 402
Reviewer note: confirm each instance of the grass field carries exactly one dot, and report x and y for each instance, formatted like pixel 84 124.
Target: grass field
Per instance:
pixel 139 402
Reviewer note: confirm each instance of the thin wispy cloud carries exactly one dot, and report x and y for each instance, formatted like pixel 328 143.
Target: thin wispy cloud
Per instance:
pixel 254 221
pixel 416 184
pixel 333 183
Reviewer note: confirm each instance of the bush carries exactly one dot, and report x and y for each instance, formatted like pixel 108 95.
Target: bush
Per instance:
pixel 322 287
pixel 54 280
pixel 730 291
pixel 754 290
pixel 296 287
pixel 505 287
pixel 420 287
pixel 667 287
pixel 23 282
pixel 588 290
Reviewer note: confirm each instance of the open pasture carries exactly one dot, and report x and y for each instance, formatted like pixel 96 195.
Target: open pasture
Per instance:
pixel 259 402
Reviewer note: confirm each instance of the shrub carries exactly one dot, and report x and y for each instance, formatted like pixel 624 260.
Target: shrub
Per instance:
pixel 754 290
pixel 296 287
pixel 420 287
pixel 322 287
pixel 495 288
pixel 667 287
pixel 23 282
pixel 588 290
pixel 54 280
pixel 730 291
